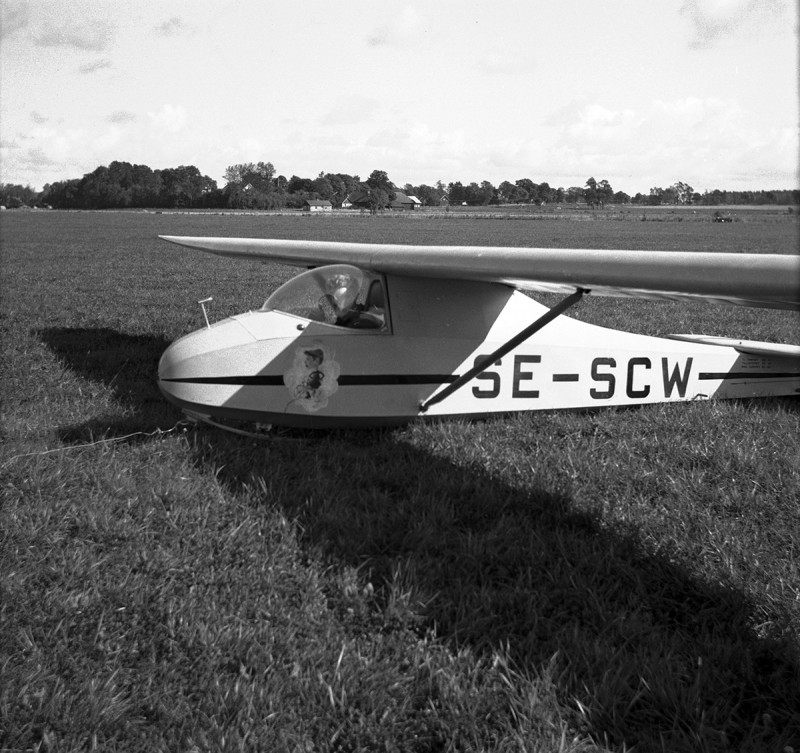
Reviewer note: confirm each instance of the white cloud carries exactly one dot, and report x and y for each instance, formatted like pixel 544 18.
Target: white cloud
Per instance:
pixel 714 20
pixel 108 141
pixel 438 94
pixel 14 16
pixel 250 146
pixel 65 30
pixel 173 27
pixel 122 116
pixel 36 160
pixel 97 65
pixel 404 30
pixel 350 110
pixel 683 139
pixel 43 155
pixel 505 63
pixel 598 124
pixel 170 118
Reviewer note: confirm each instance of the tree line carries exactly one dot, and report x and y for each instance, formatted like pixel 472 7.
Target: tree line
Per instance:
pixel 121 185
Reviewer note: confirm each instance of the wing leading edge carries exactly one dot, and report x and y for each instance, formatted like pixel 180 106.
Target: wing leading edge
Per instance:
pixel 758 280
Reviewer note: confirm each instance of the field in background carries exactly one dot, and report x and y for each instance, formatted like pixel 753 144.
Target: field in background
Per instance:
pixel 623 212
pixel 606 580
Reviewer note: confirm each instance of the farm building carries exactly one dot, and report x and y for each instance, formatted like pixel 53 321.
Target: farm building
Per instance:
pixel 405 203
pixel 313 205
pixel 357 200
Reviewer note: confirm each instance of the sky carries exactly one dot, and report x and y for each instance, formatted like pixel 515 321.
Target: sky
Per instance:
pixel 639 94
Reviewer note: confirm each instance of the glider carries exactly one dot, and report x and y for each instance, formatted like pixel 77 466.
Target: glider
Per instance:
pixel 380 334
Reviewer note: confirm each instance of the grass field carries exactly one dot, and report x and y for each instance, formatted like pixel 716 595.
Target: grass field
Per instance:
pixel 616 580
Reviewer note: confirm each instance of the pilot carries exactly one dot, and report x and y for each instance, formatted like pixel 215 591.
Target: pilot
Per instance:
pixel 338 305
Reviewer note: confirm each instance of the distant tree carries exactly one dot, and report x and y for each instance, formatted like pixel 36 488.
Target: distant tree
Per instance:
pixel 534 196
pixel 474 194
pixel 252 185
pixel 518 192
pixel 545 193
pixel 323 188
pixel 506 192
pixel 99 189
pixel 296 199
pixel 233 173
pixel 488 193
pixel 527 190
pixel 669 195
pixel 590 193
pixel 122 184
pixel 379 181
pixel 184 186
pixel 297 184
pixel 683 192
pixel 605 193
pixel 119 185
pixel 121 173
pixel 430 196
pixel 13 195
pixel 216 198
pixel 63 194
pixel 343 185
pixel 457 193
pixel 377 198
pixel 146 186
pixel 260 175
pixel 573 194
pixel 713 198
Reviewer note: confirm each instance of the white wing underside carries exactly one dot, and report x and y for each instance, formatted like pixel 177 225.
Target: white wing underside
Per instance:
pixel 759 280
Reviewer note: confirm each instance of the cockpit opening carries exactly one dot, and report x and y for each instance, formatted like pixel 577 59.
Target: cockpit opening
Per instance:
pixel 338 294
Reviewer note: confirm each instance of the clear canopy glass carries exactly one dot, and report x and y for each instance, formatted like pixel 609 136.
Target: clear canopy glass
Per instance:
pixel 338 294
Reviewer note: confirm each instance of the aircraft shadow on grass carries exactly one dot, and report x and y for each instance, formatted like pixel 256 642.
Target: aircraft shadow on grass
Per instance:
pixel 487 563
pixel 493 565
pixel 127 365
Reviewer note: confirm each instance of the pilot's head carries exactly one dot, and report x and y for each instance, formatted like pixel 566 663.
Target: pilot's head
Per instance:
pixel 344 289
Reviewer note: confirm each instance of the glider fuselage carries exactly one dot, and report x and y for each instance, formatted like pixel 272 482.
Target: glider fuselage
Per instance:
pixel 285 368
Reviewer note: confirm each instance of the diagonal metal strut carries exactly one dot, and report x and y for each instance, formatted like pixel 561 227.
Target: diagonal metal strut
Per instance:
pixel 486 362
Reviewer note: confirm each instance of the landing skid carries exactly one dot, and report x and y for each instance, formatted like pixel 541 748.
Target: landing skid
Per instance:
pixel 262 431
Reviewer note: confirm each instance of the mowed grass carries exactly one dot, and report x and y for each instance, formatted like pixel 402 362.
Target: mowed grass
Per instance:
pixel 616 580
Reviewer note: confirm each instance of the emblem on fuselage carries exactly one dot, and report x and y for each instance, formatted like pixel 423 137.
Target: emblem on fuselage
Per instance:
pixel 313 378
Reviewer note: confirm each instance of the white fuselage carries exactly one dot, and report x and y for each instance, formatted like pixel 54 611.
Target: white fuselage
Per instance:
pixel 279 368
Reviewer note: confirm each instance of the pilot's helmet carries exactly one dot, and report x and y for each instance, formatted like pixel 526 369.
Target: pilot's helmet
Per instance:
pixel 344 289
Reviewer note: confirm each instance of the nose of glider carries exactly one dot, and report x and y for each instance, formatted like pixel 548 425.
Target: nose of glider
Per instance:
pixel 199 359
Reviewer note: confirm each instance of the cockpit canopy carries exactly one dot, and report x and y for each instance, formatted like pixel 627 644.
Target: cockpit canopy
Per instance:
pixel 338 294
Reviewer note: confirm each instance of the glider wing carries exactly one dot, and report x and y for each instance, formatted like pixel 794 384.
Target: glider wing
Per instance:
pixel 759 280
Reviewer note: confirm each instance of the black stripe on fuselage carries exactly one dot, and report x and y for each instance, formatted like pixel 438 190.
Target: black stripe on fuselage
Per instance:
pixel 346 380
pixel 724 375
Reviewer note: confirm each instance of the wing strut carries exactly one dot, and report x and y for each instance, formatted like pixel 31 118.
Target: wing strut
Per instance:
pixel 486 362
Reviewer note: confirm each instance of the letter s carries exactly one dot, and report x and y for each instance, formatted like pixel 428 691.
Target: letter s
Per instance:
pixel 600 377
pixel 488 376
